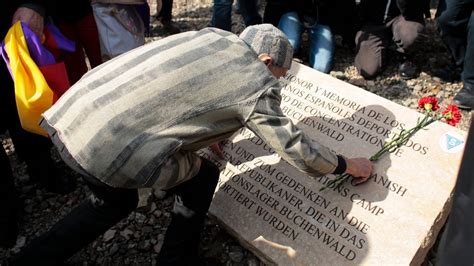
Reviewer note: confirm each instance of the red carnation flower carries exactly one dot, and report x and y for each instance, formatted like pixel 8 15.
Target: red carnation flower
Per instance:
pixel 428 103
pixel 452 115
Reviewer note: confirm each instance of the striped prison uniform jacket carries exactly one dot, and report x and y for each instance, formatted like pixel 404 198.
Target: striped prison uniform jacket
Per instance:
pixel 137 120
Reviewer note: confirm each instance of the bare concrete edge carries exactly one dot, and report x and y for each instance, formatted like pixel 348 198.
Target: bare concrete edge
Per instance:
pixel 432 235
pixel 264 258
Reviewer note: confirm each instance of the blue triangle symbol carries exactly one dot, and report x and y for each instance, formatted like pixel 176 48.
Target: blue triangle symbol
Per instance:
pixel 453 142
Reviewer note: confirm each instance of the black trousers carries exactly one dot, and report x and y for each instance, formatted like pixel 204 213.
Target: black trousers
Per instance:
pixel 165 12
pixel 373 40
pixel 107 206
pixel 9 204
pixel 29 147
pixel 456 24
pixel 250 9
pixel 274 9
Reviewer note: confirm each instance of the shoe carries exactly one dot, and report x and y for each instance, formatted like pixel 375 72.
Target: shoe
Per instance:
pixel 465 98
pixel 449 74
pixel 407 70
pixel 298 60
pixel 170 27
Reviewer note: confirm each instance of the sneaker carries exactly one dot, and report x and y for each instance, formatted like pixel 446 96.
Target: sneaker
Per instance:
pixel 407 70
pixel 465 98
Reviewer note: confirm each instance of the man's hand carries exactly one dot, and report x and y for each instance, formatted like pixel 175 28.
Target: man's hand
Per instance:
pixel 216 149
pixel 360 169
pixel 32 18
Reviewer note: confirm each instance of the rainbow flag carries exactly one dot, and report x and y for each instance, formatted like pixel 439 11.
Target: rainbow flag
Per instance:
pixel 39 80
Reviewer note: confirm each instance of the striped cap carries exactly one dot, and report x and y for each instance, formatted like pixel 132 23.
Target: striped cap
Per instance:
pixel 266 38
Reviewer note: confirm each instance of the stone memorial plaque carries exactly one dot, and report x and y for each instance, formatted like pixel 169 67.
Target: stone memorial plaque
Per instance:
pixel 283 217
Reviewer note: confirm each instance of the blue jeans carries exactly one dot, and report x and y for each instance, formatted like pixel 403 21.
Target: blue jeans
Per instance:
pixel 222 13
pixel 321 51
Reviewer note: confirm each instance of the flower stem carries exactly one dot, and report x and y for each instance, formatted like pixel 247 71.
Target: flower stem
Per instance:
pixel 390 147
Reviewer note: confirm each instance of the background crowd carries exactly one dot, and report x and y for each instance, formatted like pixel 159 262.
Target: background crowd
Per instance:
pixel 376 32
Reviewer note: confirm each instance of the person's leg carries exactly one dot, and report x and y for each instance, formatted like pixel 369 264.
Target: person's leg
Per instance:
pixel 405 33
pixel 465 97
pixel 222 14
pixel 93 217
pixel 165 12
pixel 33 149
pixel 452 24
pixel 9 204
pixel 321 50
pixel 9 201
pixel 89 38
pixel 468 68
pixel 371 43
pixel 249 10
pixel 144 12
pixel 274 9
pixel 165 17
pixel 293 28
pixel 193 199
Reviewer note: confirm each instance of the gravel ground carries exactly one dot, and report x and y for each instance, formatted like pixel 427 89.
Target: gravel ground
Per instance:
pixel 138 239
